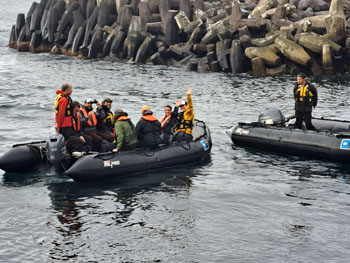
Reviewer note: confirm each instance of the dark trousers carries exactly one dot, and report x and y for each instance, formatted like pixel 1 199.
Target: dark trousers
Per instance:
pixel 182 136
pixel 67 132
pixel 305 116
pixel 167 138
pixel 88 143
pixel 96 140
pixel 75 144
pixel 106 136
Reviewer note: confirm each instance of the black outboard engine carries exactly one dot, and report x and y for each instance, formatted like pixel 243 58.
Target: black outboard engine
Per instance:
pixel 56 150
pixel 270 116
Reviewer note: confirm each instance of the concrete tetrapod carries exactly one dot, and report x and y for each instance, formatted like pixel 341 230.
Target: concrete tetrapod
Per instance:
pixel 293 51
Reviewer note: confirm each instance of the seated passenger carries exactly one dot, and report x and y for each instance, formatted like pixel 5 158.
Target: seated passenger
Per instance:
pixel 78 142
pixel 168 123
pixel 148 129
pixel 89 120
pixel 105 126
pixel 124 131
pixel 183 129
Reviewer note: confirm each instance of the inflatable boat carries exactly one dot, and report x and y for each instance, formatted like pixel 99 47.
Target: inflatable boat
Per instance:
pixel 35 156
pixel 329 141
pixel 108 165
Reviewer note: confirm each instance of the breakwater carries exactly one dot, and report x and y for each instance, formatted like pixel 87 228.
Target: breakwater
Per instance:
pixel 263 37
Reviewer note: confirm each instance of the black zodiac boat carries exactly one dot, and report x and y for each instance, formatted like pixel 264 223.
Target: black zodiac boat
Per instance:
pixel 24 158
pixel 330 141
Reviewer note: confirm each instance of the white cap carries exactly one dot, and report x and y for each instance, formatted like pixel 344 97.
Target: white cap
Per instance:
pixel 182 103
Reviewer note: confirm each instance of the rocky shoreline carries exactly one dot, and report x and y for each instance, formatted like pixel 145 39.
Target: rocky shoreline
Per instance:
pixel 261 37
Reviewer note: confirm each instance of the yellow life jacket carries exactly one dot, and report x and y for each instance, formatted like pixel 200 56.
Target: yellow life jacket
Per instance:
pixel 110 117
pixel 303 94
pixel 184 125
pixel 68 108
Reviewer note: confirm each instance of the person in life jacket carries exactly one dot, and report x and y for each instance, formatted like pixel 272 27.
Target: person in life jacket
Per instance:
pixel 89 119
pixel 183 129
pixel 305 95
pixel 148 129
pixel 78 142
pixel 125 132
pixel 105 127
pixel 168 122
pixel 63 110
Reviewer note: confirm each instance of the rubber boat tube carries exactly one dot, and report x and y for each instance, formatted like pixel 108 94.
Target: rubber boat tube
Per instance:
pixel 330 141
pixel 22 158
pixel 104 166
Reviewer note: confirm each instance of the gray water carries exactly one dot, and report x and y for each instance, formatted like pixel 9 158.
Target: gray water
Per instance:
pixel 238 206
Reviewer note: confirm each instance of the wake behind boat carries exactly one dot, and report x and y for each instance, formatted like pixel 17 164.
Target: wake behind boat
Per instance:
pixel 330 141
pixel 34 156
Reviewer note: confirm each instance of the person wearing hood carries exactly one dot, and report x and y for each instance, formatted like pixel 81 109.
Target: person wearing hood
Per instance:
pixel 105 126
pixel 124 131
pixel 148 129
pixel 63 110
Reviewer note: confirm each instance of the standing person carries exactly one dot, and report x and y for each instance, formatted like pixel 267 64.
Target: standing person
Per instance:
pixel 168 123
pixel 305 95
pixel 125 132
pixel 63 110
pixel 105 126
pixel 148 129
pixel 183 129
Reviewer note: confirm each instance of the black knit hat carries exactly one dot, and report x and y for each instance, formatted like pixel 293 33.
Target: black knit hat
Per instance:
pixel 75 104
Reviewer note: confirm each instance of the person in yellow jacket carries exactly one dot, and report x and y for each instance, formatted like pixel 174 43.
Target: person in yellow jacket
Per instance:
pixel 183 128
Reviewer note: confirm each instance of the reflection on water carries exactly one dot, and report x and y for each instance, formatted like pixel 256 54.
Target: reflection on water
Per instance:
pixel 113 204
pixel 112 209
pixel 20 180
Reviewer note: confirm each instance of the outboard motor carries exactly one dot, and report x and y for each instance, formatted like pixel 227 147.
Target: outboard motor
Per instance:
pixel 56 149
pixel 271 115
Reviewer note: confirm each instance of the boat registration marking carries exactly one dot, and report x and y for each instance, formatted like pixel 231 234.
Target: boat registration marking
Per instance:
pixel 345 144
pixel 241 131
pixel 205 144
pixel 111 163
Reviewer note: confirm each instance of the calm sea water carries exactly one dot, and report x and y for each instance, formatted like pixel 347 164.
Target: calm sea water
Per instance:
pixel 238 206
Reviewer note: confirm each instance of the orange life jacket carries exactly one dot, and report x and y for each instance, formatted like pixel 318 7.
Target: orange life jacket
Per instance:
pixel 92 120
pixel 149 117
pixel 123 118
pixel 76 125
pixel 164 120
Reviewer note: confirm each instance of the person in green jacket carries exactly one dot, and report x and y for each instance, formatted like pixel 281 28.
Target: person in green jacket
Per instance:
pixel 124 132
